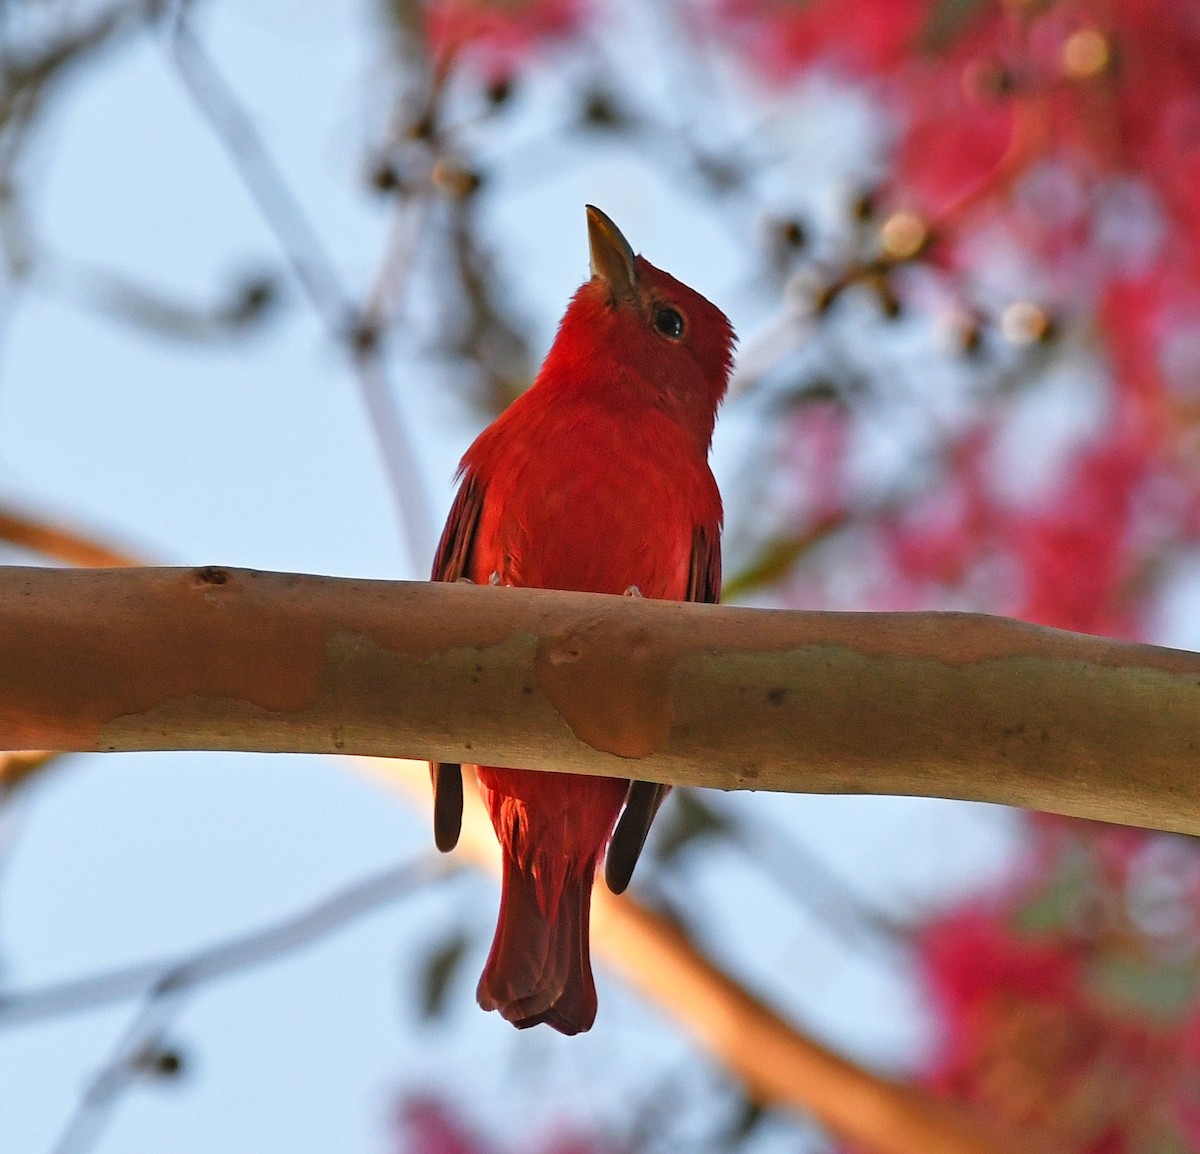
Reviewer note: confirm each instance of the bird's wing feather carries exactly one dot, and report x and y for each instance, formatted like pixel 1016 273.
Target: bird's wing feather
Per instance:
pixel 452 562
pixel 644 798
pixel 453 557
pixel 704 577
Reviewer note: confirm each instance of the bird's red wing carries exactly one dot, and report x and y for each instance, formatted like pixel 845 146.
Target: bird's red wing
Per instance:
pixel 453 557
pixel 704 577
pixel 644 798
pixel 452 561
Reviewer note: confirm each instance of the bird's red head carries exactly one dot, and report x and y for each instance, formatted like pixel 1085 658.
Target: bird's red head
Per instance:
pixel 634 335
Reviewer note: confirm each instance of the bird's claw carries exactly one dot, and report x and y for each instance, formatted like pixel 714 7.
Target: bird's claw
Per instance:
pixel 633 591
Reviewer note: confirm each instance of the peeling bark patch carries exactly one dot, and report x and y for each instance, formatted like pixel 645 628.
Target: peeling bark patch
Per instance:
pixel 612 686
pixel 133 649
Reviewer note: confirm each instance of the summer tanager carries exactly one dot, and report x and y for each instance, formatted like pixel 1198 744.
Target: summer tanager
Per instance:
pixel 595 479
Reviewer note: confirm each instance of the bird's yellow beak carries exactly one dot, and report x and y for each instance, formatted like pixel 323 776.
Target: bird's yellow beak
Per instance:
pixel 612 258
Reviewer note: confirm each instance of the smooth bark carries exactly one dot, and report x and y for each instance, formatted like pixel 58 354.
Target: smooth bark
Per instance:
pixel 945 705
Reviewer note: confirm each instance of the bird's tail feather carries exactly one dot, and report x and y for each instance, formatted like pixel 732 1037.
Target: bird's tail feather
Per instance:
pixel 539 969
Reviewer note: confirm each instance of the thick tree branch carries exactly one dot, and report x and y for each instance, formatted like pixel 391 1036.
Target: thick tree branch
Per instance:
pixel 945 705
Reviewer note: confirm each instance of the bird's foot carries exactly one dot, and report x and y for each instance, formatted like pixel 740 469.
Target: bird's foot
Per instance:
pixel 633 591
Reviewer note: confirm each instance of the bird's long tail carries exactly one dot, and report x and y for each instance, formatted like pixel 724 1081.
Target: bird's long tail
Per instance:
pixel 539 969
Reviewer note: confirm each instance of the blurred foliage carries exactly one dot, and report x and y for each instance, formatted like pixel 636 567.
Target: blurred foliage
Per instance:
pixel 440 967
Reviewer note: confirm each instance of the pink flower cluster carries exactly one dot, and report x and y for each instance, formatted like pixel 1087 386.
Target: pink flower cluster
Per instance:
pixel 1067 1008
pixel 1067 131
pixel 502 34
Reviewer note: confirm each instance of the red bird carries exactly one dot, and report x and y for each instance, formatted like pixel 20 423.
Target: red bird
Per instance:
pixel 595 479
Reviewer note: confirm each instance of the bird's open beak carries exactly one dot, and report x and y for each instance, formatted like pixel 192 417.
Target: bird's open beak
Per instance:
pixel 612 258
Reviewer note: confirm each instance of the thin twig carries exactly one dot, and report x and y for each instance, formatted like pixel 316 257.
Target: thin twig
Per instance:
pixel 25 79
pixel 399 459
pixel 346 323
pixel 165 987
pixel 298 238
pixel 395 269
pixel 817 887
pixel 113 1077
pixel 235 955
pixel 165 984
pixel 246 304
pixel 35 71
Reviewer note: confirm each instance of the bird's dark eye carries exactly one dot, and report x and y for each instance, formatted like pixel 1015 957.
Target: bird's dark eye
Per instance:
pixel 668 322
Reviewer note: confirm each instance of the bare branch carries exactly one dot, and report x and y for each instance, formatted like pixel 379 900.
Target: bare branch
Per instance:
pixel 232 124
pixel 152 979
pixel 165 986
pixel 933 704
pixel 247 303
pixel 346 322
pixel 31 73
pixel 113 1077
pixel 19 764
pixel 58 542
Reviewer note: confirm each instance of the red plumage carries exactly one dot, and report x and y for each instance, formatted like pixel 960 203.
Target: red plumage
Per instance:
pixel 596 479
